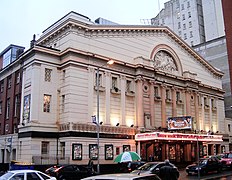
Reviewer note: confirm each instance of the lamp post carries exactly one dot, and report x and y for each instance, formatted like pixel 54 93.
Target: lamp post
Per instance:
pixel 198 159
pixel 98 107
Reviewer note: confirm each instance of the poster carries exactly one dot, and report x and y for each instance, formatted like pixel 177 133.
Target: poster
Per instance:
pixel 77 151
pixel 93 151
pixel 174 123
pixel 109 153
pixel 126 148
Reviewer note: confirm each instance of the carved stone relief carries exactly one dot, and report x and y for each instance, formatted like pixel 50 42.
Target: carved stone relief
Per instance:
pixel 165 62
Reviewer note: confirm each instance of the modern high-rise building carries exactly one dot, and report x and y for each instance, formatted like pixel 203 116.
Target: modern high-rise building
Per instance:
pixel 159 97
pixel 194 21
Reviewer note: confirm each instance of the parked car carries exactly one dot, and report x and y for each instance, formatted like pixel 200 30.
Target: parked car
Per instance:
pixel 153 168
pixel 206 165
pixel 25 175
pixel 70 172
pixel 124 176
pixel 128 167
pixel 226 160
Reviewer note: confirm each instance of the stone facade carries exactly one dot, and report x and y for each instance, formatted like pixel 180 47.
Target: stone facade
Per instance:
pixel 155 75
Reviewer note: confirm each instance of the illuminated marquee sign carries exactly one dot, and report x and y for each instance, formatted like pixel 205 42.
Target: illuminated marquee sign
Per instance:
pixel 177 136
pixel 175 123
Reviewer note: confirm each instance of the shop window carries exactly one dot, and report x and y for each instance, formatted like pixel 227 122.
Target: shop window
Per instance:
pixel 47 103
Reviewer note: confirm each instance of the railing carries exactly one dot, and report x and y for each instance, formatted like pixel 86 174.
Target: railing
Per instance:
pixel 92 128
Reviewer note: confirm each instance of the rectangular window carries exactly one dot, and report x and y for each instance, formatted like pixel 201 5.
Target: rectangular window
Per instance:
pixel 188 4
pixel 18 78
pixel 182 6
pixel 178 96
pixel 179 26
pixel 45 148
pixel 185 36
pixel 62 148
pixel 48 73
pixel 229 128
pixel 168 94
pixel 99 80
pixel 2 86
pixel 1 107
pixel 191 34
pixel 156 91
pixel 9 82
pixel 128 85
pixel 190 24
pixel 63 75
pixel 184 26
pixel 189 14
pixel 63 103
pixel 17 106
pixel 183 16
pixel 47 103
pixel 114 82
pixel 8 108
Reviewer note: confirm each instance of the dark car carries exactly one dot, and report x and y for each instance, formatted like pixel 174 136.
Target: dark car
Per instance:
pixel 127 167
pixel 154 168
pixel 70 172
pixel 226 160
pixel 206 165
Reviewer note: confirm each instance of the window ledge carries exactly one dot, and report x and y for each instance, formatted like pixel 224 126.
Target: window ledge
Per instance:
pixel 130 93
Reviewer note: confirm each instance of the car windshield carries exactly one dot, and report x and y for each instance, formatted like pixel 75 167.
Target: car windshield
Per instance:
pixel 6 175
pixel 203 161
pixel 146 167
pixel 229 155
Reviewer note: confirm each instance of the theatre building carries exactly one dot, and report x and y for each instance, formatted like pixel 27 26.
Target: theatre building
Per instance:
pixel 158 98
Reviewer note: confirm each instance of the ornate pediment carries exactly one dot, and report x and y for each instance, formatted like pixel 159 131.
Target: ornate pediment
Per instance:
pixel 165 62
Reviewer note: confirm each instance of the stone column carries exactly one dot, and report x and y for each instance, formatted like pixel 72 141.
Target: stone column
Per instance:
pixel 152 104
pixel 139 103
pixel 123 99
pixel 91 74
pixel 174 112
pixel 197 112
pixel 107 98
pixel 187 102
pixel 163 106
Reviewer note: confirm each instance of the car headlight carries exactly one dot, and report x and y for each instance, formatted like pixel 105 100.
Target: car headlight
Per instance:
pixel 187 167
pixel 198 168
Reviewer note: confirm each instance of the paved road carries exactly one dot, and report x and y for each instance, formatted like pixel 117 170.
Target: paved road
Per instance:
pixel 225 175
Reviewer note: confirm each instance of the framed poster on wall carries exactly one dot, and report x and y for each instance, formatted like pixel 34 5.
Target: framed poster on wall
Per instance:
pixel 93 152
pixel 109 152
pixel 76 151
pixel 126 148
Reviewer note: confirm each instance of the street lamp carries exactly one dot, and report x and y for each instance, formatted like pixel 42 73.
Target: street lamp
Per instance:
pixel 110 62
pixel 198 159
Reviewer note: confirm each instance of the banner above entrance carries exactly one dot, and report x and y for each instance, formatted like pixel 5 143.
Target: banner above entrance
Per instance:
pixel 184 122
pixel 177 137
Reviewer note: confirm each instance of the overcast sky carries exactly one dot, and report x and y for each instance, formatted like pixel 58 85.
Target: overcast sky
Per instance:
pixel 20 19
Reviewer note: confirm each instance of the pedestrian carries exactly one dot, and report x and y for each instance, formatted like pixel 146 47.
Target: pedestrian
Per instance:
pixel 167 172
pixel 90 166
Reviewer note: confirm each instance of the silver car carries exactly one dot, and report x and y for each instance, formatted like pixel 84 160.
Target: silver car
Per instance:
pixel 25 175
